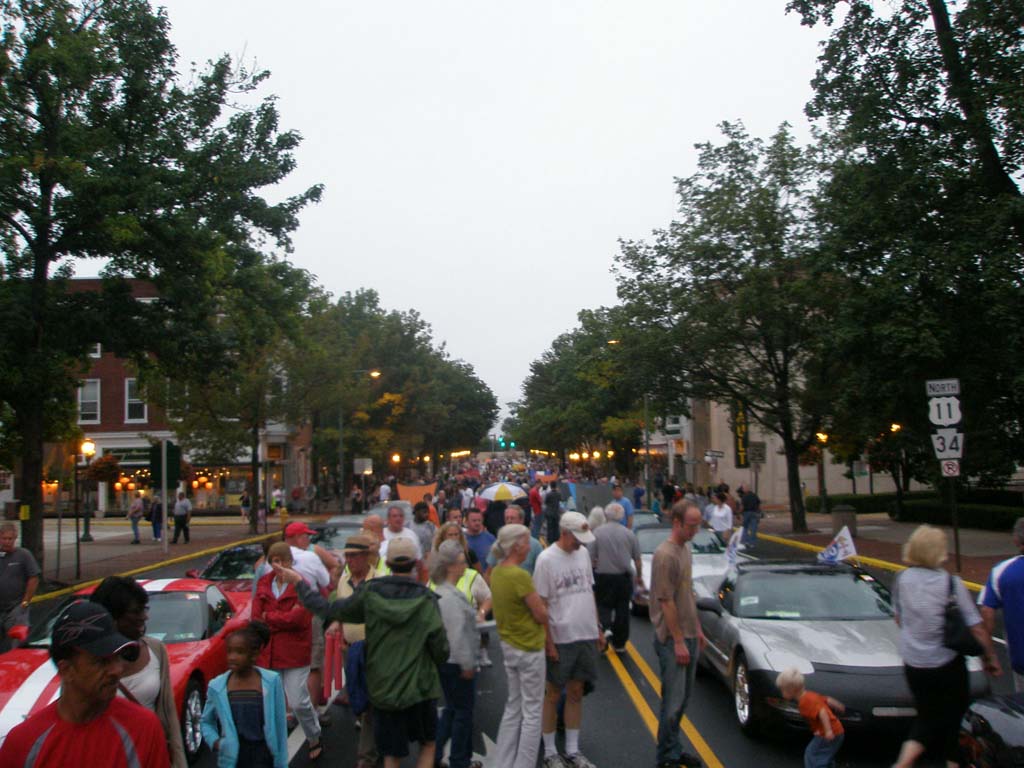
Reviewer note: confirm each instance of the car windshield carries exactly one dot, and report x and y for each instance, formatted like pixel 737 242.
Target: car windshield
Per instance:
pixel 174 617
pixel 819 595
pixel 643 518
pixel 237 563
pixel 703 543
pixel 335 538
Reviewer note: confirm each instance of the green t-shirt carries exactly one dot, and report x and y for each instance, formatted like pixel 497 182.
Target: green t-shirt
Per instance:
pixel 509 587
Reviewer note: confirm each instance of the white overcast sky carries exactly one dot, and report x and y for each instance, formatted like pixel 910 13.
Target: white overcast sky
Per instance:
pixel 482 159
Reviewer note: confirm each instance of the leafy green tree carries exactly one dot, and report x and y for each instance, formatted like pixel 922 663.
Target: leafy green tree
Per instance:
pixel 730 294
pixel 922 212
pixel 106 155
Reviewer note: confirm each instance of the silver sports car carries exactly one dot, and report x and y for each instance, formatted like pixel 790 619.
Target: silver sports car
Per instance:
pixel 709 558
pixel 832 622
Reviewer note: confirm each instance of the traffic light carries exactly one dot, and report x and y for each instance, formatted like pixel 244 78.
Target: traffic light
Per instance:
pixel 512 444
pixel 501 441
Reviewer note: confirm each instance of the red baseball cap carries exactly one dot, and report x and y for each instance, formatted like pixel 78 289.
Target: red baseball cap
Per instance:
pixel 294 529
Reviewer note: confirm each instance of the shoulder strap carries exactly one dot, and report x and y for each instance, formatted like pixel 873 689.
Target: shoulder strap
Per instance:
pixel 127 694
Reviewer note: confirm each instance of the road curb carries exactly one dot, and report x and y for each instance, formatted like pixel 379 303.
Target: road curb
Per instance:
pixel 152 566
pixel 873 561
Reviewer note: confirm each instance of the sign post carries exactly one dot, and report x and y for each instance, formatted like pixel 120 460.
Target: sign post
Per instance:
pixel 947 440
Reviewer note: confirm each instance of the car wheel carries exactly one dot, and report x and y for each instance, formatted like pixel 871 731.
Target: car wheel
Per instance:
pixel 191 729
pixel 743 697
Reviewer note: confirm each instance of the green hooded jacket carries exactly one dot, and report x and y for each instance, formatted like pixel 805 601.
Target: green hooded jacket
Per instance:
pixel 405 638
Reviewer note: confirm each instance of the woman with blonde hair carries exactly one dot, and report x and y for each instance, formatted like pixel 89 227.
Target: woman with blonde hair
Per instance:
pixel 936 675
pixel 521 617
pixel 596 518
pixel 452 531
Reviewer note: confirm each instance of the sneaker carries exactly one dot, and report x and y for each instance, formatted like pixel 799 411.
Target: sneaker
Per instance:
pixel 556 761
pixel 579 761
pixel 484 658
pixel 690 760
pixel 621 650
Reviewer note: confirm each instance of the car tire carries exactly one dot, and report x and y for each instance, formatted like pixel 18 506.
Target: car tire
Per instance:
pixel 191 733
pixel 744 704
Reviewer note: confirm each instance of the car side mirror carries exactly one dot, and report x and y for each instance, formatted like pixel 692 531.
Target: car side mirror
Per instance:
pixel 709 604
pixel 192 573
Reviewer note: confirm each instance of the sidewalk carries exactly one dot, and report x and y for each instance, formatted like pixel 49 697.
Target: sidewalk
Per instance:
pixel 881 537
pixel 112 551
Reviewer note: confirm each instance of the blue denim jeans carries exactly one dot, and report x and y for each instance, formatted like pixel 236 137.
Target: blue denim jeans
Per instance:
pixel 750 522
pixel 676 687
pixel 135 528
pixel 456 719
pixel 821 753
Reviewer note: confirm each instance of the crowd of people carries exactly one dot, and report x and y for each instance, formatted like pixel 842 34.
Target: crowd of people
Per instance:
pixel 411 607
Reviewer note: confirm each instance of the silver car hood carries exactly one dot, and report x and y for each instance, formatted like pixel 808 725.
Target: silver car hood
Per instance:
pixel 872 643
pixel 703 565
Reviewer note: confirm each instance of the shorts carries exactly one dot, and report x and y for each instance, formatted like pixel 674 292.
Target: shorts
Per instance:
pixel 393 730
pixel 576 661
pixel 316 656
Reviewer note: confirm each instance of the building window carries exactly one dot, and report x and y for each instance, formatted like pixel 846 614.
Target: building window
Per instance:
pixel 134 407
pixel 96 350
pixel 89 402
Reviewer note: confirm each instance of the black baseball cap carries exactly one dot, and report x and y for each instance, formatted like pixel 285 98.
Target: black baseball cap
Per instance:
pixel 89 627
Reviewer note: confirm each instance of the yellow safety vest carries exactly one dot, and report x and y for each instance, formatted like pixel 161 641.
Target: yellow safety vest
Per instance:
pixel 464 584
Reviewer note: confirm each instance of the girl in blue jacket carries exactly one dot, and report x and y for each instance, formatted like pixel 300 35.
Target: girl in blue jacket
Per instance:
pixel 244 721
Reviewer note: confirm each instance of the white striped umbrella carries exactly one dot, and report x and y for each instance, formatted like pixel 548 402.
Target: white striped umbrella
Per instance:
pixel 502 492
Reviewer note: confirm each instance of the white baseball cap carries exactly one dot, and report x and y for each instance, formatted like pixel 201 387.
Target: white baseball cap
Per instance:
pixel 577 523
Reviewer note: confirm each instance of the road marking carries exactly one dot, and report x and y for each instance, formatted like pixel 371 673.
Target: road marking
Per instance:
pixel 634 694
pixel 686 724
pixel 295 741
pixel 883 564
pixel 153 566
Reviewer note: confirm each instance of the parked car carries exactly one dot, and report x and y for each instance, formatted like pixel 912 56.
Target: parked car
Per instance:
pixel 193 617
pixel 832 622
pixel 234 568
pixel 992 733
pixel 642 519
pixel 708 558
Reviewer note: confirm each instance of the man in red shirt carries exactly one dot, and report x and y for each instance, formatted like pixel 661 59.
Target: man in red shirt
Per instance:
pixel 89 724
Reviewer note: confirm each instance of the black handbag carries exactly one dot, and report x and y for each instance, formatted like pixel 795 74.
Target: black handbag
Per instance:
pixel 956 635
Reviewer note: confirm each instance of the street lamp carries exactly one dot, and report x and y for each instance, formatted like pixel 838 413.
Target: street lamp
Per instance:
pixel 823 440
pixel 88 450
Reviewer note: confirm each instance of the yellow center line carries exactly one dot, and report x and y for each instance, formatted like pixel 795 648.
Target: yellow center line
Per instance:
pixel 634 694
pixel 686 724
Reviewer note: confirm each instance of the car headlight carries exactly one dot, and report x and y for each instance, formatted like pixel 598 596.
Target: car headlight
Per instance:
pixel 780 660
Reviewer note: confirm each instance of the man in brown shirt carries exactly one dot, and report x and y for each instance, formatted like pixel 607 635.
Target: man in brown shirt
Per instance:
pixel 678 637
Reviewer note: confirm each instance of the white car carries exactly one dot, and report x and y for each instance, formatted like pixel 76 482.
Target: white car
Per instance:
pixel 709 558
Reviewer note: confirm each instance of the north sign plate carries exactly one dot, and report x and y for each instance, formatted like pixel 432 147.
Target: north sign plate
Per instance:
pixel 941 387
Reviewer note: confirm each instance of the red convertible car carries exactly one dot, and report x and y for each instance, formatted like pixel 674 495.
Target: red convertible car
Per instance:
pixel 191 616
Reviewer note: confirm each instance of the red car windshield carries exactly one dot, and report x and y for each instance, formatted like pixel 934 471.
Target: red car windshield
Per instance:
pixel 174 617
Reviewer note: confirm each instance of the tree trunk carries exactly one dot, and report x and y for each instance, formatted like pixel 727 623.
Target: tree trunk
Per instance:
pixel 897 476
pixel 254 468
pixel 31 483
pixel 796 496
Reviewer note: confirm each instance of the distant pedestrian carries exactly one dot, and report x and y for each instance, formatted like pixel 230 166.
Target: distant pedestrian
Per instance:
pixel 521 617
pixel 244 721
pixel 396 530
pixel 750 503
pixel 278 496
pixel 565 581
pixel 245 504
pixel 458 673
pixel 627 506
pixel 147 679
pixel 719 517
pixel 638 496
pixel 422 527
pixel 678 638
pixel 936 675
pixel 405 643
pixel 615 554
pixel 819 712
pixel 19 578
pixel 478 537
pixel 552 511
pixel 384 493
pixel 156 517
pixel 596 518
pixel 135 513
pixel 88 724
pixel 514 516
pixel 1005 591
pixel 182 517
pixel 290 647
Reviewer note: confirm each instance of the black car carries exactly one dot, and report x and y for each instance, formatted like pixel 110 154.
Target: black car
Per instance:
pixel 992 733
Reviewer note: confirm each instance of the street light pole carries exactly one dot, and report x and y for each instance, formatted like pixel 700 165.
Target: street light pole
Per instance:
pixel 374 374
pixel 88 451
pixel 647 453
pixel 823 440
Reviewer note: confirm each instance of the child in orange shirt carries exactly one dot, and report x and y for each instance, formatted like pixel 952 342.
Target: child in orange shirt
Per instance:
pixel 817 710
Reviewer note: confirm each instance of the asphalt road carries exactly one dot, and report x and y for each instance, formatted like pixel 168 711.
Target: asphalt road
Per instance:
pixel 620 717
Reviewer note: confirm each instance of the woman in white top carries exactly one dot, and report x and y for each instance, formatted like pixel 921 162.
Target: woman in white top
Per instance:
pixel 719 517
pixel 936 675
pixel 147 680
